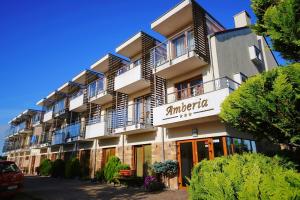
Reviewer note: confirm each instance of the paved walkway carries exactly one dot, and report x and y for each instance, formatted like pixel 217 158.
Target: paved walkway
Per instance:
pixel 44 188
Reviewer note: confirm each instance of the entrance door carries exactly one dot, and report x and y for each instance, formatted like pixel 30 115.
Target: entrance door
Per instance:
pixel 106 154
pixel 142 159
pixel 191 152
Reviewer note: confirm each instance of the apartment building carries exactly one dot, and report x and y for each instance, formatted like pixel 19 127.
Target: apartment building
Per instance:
pixel 160 103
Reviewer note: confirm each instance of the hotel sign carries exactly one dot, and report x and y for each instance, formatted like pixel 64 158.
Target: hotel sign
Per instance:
pixel 189 109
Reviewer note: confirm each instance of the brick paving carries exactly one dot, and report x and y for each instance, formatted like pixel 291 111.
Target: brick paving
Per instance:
pixel 45 188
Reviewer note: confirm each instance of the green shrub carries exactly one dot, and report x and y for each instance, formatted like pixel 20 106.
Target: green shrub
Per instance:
pixel 169 168
pixel 247 176
pixel 58 168
pixel 123 167
pixel 99 175
pixel 45 168
pixel 111 168
pixel 72 168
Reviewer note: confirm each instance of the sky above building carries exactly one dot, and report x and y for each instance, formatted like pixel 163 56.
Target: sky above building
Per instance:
pixel 44 44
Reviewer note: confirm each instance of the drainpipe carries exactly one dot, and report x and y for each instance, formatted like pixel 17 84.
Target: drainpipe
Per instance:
pixel 211 59
pixel 95 156
pixel 163 143
pixel 123 151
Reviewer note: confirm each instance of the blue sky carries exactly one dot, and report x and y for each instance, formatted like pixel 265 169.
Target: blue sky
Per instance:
pixel 43 44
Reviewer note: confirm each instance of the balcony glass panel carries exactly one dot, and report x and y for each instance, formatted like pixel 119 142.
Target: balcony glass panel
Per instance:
pixel 73 130
pixel 59 136
pixel 59 106
pixel 22 126
pixel 129 66
pixel 195 88
pixel 77 94
pixel 37 118
pixel 179 46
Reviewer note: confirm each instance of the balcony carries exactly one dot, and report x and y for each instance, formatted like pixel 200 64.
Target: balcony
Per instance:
pixel 177 18
pixel 197 104
pixel 78 101
pixel 37 119
pixel 74 132
pixel 23 127
pixel 60 107
pixel 176 57
pixel 129 79
pixel 34 141
pixel 136 118
pixel 97 127
pixel 59 137
pixel 97 94
pixel 48 116
pixel 45 140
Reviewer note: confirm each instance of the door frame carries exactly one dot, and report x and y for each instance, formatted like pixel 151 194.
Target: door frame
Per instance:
pixel 195 154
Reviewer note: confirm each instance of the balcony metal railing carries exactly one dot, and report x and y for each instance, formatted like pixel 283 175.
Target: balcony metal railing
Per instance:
pixel 128 67
pixel 133 114
pixel 34 140
pixel 68 133
pixel 59 107
pixel 37 118
pixel 45 138
pixel 77 94
pixel 197 90
pixel 59 137
pixel 164 52
pixel 95 88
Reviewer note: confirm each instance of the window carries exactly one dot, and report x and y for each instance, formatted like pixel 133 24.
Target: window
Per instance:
pixel 237 145
pixel 7 167
pixel 179 47
pixel 142 159
pixel 189 88
pixel 191 40
pixel 218 147
pixel 142 110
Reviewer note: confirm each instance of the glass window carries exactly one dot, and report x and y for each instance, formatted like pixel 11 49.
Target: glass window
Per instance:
pixel 229 145
pixel 137 62
pixel 237 145
pixel 191 40
pixel 253 145
pixel 247 145
pixel 8 167
pixel 179 47
pixel 218 147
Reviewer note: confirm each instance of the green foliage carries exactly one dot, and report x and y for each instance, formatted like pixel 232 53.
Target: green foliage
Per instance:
pixel 267 106
pixel 72 168
pixel 159 167
pixel 45 167
pixel 111 168
pixel 99 175
pixel 281 21
pixel 168 168
pixel 247 176
pixel 58 168
pixel 123 167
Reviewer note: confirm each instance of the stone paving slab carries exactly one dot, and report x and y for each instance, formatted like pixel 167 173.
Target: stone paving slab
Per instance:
pixel 45 188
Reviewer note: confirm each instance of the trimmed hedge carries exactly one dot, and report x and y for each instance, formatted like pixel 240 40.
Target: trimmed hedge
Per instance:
pixel 247 176
pixel 72 168
pixel 45 168
pixel 58 168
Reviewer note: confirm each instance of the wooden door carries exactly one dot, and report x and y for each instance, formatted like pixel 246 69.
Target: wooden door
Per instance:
pixel 190 152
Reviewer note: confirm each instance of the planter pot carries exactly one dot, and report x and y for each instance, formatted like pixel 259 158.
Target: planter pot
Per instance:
pixel 125 172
